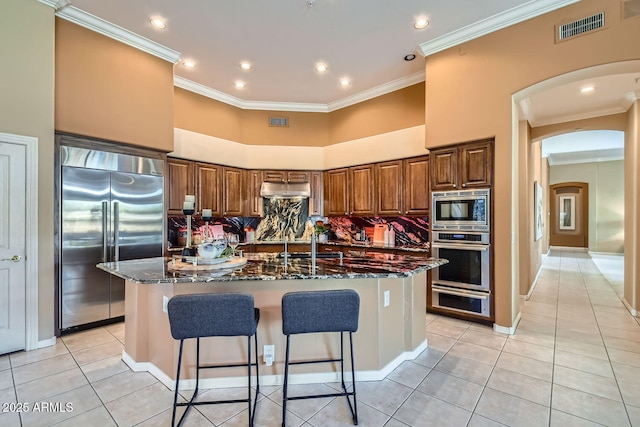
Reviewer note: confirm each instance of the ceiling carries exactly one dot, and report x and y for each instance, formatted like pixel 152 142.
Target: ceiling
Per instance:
pixel 364 41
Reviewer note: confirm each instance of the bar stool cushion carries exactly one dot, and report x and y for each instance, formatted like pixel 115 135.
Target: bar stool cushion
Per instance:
pixel 320 311
pixel 210 315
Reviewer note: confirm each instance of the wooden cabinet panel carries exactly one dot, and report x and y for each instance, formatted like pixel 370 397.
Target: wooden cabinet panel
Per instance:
pixel 361 186
pixel 336 192
pixel 417 200
pixel 234 191
pixel 297 176
pixel 444 168
pixel 286 176
pixel 389 176
pixel 463 166
pixel 476 165
pixel 254 201
pixel 180 182
pixel 316 201
pixel 208 194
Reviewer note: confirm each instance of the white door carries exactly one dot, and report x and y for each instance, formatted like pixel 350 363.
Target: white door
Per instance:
pixel 12 247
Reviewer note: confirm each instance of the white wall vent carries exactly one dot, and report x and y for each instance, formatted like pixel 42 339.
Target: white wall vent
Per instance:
pixel 581 26
pixel 281 122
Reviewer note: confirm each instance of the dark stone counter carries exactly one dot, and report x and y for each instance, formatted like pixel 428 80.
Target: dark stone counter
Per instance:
pixel 267 266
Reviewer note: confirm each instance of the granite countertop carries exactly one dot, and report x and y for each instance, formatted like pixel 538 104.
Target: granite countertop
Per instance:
pixel 266 266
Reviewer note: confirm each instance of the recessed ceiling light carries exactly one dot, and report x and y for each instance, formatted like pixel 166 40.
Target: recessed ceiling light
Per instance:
pixel 245 65
pixel 409 57
pixel 189 63
pixel 421 23
pixel 587 89
pixel 240 84
pixel 158 23
pixel 321 68
pixel 345 82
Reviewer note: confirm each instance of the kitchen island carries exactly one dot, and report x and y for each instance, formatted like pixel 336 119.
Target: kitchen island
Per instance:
pixel 392 291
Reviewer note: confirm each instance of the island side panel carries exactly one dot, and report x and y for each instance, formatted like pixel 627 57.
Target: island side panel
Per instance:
pixel 415 288
pixel 391 320
pixel 163 349
pixel 136 315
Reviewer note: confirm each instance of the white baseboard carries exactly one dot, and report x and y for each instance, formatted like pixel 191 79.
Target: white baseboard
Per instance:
pixel 632 310
pixel 508 329
pixel 47 343
pixel 271 380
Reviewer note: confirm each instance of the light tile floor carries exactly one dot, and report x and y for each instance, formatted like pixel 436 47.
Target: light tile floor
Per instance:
pixel 573 361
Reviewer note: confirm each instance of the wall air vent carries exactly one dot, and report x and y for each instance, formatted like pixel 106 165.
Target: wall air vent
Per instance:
pixel 581 26
pixel 279 122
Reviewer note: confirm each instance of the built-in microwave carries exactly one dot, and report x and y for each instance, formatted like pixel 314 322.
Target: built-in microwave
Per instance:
pixel 461 210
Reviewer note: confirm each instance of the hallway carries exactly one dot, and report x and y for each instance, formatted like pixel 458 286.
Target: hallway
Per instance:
pixel 573 361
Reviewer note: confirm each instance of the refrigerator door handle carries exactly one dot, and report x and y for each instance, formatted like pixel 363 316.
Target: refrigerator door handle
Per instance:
pixel 105 245
pixel 116 230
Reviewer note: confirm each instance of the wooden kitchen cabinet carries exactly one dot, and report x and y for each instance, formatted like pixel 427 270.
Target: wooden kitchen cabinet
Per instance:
pixel 417 200
pixel 316 201
pixel 362 196
pixel 390 188
pixel 292 177
pixel 208 188
pixel 254 200
pixel 233 184
pixel 336 192
pixel 180 182
pixel 462 167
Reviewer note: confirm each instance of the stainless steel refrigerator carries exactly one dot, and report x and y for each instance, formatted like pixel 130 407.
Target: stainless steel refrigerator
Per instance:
pixel 111 209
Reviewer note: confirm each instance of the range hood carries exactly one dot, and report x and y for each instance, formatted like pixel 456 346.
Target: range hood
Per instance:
pixel 285 190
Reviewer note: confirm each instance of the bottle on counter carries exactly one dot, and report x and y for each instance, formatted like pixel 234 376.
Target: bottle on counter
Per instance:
pixel 249 234
pixel 390 237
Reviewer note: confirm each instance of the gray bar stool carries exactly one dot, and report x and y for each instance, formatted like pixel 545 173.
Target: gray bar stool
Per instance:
pixel 214 315
pixel 321 311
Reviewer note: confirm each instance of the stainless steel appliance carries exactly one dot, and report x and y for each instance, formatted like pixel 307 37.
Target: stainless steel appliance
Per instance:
pixel 461 210
pixel 464 284
pixel 111 209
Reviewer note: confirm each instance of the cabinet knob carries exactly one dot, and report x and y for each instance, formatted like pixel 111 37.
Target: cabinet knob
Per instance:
pixel 464 185
pixel 454 185
pixel 346 213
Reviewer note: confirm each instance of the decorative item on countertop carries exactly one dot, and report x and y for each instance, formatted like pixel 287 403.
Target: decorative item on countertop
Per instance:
pixel 206 217
pixel 249 234
pixel 188 208
pixel 390 237
pixel 321 231
pixel 213 249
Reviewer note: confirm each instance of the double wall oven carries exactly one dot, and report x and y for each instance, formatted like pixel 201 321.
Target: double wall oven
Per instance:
pixel 461 234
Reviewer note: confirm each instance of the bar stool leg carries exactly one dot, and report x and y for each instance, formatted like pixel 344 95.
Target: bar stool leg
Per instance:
pixel 175 395
pixel 353 383
pixel 286 381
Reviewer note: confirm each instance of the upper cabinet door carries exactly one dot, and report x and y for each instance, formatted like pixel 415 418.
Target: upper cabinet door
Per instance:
pixel 286 176
pixel 234 191
pixel 390 188
pixel 316 201
pixel 180 182
pixel 416 186
pixel 336 192
pixel 254 201
pixel 444 168
pixel 274 176
pixel 297 177
pixel 476 165
pixel 209 182
pixel 362 196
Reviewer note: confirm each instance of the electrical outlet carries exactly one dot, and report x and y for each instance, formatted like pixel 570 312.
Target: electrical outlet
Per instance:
pixel 386 299
pixel 269 354
pixel 165 301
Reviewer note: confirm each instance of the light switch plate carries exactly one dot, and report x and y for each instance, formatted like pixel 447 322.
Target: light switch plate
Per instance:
pixel 386 299
pixel 165 302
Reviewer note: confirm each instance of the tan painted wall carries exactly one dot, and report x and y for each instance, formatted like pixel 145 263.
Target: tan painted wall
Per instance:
pixel 399 110
pixel 106 89
pixel 606 200
pixel 632 206
pixel 474 83
pixel 26 108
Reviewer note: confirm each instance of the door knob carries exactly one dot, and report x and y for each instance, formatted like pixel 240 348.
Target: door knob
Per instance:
pixel 14 258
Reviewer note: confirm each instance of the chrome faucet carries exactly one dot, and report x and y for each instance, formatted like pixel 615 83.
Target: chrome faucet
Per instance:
pixel 313 253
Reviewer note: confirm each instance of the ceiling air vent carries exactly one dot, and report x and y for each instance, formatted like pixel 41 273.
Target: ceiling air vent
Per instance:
pixel 279 122
pixel 581 26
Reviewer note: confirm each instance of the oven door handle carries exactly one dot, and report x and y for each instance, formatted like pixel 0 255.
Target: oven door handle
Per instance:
pixel 465 246
pixel 459 292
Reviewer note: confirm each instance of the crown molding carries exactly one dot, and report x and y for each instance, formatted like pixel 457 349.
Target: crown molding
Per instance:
pixel 203 90
pixel 66 11
pixel 580 116
pixel 497 22
pixel 377 91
